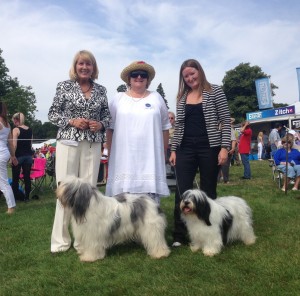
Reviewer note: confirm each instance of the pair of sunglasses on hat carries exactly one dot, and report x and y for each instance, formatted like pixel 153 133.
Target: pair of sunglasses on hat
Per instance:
pixel 136 74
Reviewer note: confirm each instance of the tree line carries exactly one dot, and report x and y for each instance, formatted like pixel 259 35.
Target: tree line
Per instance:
pixel 238 85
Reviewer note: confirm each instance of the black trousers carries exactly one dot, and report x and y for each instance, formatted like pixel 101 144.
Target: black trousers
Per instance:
pixel 191 156
pixel 26 167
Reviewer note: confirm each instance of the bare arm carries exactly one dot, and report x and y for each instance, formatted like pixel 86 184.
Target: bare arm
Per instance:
pixel 12 150
pixel 15 135
pixel 109 134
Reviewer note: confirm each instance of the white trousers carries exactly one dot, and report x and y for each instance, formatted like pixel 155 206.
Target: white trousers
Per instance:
pixel 4 185
pixel 82 161
pixel 259 150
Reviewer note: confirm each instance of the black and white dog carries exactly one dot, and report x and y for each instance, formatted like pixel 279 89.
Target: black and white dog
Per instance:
pixel 213 223
pixel 99 222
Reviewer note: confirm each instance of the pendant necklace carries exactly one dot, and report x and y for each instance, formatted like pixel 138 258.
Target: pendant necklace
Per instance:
pixel 84 92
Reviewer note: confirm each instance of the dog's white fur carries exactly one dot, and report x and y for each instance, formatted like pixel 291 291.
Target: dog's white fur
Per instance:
pixel 213 223
pixel 99 222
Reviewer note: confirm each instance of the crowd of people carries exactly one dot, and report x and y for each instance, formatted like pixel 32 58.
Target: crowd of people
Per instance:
pixel 141 137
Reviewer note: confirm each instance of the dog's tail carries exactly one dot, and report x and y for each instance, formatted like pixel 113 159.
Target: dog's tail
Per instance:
pixel 76 194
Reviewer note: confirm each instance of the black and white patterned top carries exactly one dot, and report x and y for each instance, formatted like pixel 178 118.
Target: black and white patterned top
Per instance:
pixel 216 115
pixel 70 103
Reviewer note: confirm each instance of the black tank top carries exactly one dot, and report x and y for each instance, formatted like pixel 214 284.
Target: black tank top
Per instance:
pixel 24 142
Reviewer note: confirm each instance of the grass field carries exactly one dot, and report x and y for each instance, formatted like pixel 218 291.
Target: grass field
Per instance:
pixel 270 267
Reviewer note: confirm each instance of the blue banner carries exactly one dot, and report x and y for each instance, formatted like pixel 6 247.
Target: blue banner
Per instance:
pixel 298 75
pixel 271 113
pixel 264 94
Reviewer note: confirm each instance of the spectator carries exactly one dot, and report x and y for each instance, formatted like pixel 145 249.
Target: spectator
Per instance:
pixel 274 137
pixel 22 142
pixel 293 164
pixel 245 148
pixel 7 152
pixel 224 171
pixel 172 129
pixel 266 146
pixel 260 145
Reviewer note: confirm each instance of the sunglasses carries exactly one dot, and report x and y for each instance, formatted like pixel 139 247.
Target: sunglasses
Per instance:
pixel 136 74
pixel 289 142
pixel 171 117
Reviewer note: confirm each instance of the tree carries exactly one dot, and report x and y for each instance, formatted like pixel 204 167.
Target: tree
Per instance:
pixel 17 97
pixel 44 131
pixel 239 88
pixel 160 90
pixel 122 88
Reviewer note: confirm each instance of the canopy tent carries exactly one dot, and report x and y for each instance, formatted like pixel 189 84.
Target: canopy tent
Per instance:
pixel 51 142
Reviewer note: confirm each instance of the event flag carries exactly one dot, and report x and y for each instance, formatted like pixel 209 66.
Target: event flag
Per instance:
pixel 264 95
pixel 298 74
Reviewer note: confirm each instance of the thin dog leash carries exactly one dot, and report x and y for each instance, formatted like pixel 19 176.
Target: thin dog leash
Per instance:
pixel 177 184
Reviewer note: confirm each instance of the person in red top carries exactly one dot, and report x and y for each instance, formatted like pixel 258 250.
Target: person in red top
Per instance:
pixel 245 147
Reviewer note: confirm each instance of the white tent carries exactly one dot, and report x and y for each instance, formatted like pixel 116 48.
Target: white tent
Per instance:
pixel 40 145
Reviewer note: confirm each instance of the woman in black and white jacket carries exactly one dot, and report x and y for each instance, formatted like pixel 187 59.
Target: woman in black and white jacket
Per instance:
pixel 202 136
pixel 80 110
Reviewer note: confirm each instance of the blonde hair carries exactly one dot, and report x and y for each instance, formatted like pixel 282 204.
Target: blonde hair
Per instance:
pixel 20 117
pixel 86 55
pixel 203 83
pixel 288 138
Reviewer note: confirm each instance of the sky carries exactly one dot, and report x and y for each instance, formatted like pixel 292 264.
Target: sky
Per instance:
pixel 39 39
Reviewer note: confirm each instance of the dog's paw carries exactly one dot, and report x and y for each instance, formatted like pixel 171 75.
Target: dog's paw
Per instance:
pixel 90 258
pixel 160 254
pixel 194 248
pixel 210 253
pixel 249 241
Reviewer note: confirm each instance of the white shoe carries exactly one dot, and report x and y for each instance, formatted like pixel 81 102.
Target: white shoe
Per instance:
pixel 294 189
pixel 59 250
pixel 176 244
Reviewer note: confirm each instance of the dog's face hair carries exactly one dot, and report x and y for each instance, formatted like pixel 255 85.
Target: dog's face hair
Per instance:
pixel 139 209
pixel 77 196
pixel 117 223
pixel 196 201
pixel 225 226
pixel 121 197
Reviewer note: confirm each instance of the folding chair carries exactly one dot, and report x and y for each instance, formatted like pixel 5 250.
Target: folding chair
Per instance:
pixel 37 176
pixel 278 174
pixel 50 170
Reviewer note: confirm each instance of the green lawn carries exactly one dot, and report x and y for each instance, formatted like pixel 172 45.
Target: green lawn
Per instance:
pixel 270 267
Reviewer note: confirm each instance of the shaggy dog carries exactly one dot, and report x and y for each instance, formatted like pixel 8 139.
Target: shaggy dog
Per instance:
pixel 99 222
pixel 213 223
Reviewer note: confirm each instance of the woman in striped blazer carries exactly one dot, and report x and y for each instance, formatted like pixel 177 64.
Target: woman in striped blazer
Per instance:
pixel 202 136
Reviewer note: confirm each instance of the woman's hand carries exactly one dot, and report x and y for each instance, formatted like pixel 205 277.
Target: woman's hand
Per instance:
pixel 95 126
pixel 80 123
pixel 172 158
pixel 223 156
pixel 14 160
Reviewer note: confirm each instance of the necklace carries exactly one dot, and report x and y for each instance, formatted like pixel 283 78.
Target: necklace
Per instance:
pixel 137 99
pixel 84 92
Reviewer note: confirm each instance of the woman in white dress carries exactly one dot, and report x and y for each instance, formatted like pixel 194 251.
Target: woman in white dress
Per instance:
pixel 260 145
pixel 6 151
pixel 137 137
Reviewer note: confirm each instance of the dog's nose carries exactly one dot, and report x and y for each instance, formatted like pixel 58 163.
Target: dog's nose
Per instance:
pixel 186 202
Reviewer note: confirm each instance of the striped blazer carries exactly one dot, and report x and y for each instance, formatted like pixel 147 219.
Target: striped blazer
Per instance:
pixel 216 115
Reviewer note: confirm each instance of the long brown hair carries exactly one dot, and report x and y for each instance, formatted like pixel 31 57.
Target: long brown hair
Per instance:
pixel 183 87
pixel 3 112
